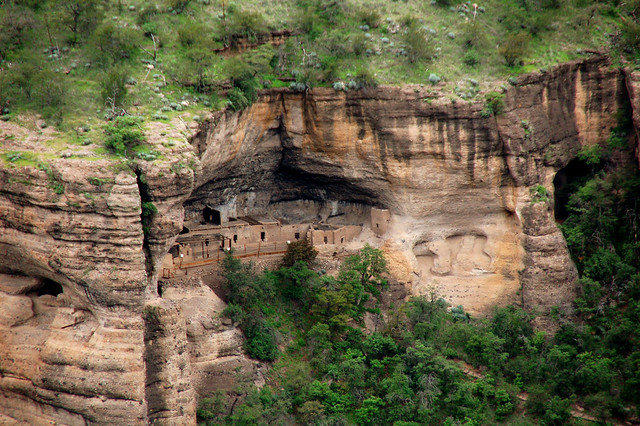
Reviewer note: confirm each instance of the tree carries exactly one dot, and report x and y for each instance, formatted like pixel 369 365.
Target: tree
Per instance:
pixel 111 43
pixel 17 24
pixel 299 251
pixel 364 271
pixel 79 16
pixel 114 91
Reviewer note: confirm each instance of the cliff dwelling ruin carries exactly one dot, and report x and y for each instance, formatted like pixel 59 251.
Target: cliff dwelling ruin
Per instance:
pixel 204 242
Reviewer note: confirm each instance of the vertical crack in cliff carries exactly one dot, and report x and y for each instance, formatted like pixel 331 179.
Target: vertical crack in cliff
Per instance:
pixel 146 214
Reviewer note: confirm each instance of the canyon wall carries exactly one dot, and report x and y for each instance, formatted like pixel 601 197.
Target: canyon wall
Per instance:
pixel 457 183
pixel 84 335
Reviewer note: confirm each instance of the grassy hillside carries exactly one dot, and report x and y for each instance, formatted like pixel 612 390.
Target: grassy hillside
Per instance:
pixel 76 63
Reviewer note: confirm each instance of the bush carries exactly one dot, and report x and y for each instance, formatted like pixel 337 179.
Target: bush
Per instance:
pixel 149 209
pixel 368 16
pixel 515 48
pixel 299 251
pixel 261 341
pixel 178 5
pixel 471 58
pixel 111 43
pixel 122 134
pixel 493 104
pixel 244 23
pixel 365 78
pixel 114 91
pixel 190 35
pixel 237 100
pixel 417 43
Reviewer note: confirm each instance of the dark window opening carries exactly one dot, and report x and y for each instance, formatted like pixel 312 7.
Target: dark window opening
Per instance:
pixel 185 230
pixel 235 238
pixel 566 182
pixel 377 225
pixel 326 240
pixel 211 216
pixel 262 236
pixel 159 289
pixel 49 287
pixel 297 235
pixel 342 240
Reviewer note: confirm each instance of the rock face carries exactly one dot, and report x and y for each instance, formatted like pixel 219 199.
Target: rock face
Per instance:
pixel 84 337
pixel 457 184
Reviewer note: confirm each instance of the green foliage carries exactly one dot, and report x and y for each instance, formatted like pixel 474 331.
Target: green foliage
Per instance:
pixel 261 341
pixel 299 251
pixel 245 85
pixel 122 134
pixel 539 194
pixel 178 5
pixel 111 42
pixel 471 58
pixel 55 183
pixel 113 89
pixel 493 104
pixel 243 23
pixel 515 48
pixel 418 44
pixel 592 155
pixel 78 16
pixel 149 209
pixel 18 24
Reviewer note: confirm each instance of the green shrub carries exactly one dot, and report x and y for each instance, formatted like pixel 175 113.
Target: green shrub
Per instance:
pixel 237 100
pixel 539 194
pixel 514 48
pixel 193 34
pixel 244 24
pixel 299 251
pixel 149 209
pixel 365 78
pixel 111 43
pixel 113 89
pixel 368 16
pixel 261 341
pixel 417 43
pixel 493 104
pixel 471 58
pixel 122 134
pixel 79 16
pixel 178 5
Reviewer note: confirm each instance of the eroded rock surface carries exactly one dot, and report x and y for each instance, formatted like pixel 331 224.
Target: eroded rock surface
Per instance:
pixel 458 184
pixel 84 337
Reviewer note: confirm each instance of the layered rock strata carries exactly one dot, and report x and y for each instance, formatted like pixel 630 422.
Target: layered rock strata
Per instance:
pixel 84 337
pixel 458 182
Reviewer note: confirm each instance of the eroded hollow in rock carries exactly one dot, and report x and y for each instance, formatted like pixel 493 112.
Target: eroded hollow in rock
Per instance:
pixel 566 182
pixel 49 287
pixel 262 210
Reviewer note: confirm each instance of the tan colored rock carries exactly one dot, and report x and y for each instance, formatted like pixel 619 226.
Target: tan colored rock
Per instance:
pixel 108 350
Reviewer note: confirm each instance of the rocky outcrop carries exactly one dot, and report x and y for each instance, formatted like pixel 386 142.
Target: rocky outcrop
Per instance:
pixel 457 182
pixel 72 343
pixel 84 337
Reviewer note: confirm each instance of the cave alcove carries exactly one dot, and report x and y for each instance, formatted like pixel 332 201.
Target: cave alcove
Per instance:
pixel 565 183
pixel 49 287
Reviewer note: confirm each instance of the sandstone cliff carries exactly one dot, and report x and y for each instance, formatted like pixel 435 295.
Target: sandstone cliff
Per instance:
pixel 84 337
